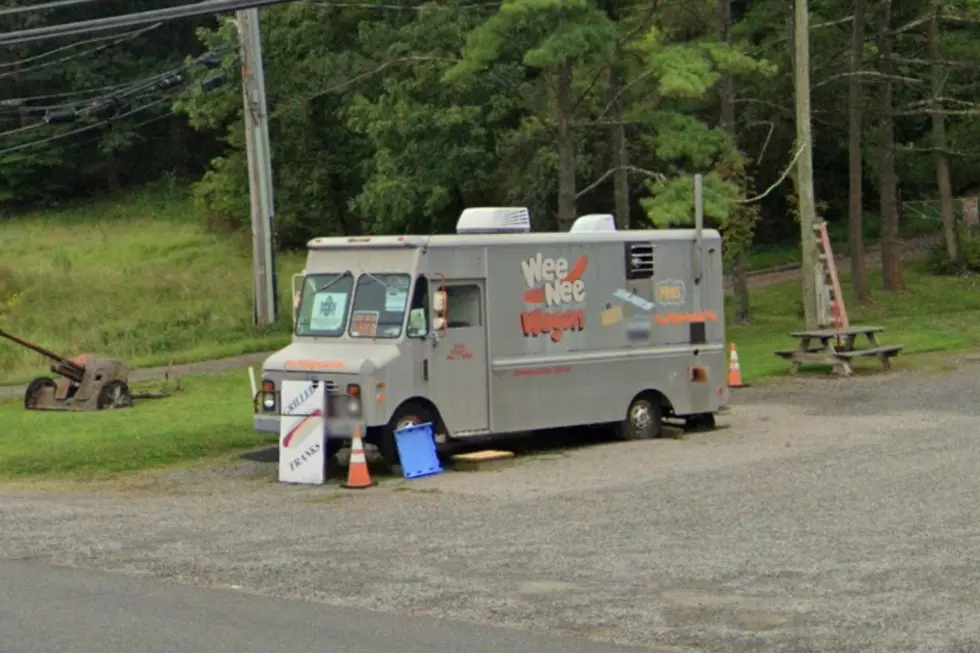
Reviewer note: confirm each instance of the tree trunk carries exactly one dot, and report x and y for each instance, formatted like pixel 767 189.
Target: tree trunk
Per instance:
pixel 940 145
pixel 113 183
pixel 620 155
pixel 859 272
pixel 619 158
pixel 740 277
pixel 566 149
pixel 891 245
pixel 804 163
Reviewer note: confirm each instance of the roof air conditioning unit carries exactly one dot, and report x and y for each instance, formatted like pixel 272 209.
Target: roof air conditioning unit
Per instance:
pixel 494 220
pixel 593 223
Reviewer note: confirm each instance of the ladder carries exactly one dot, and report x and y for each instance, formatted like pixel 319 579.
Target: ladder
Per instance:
pixel 831 311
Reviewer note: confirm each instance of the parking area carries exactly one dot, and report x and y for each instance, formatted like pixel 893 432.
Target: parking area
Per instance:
pixel 824 515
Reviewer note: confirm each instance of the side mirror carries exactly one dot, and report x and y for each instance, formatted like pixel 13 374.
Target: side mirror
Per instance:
pixel 297 293
pixel 439 304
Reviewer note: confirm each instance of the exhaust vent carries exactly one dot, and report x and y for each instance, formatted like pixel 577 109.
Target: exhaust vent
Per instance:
pixel 640 260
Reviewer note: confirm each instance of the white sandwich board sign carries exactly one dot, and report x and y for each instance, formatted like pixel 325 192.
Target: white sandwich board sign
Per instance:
pixel 302 433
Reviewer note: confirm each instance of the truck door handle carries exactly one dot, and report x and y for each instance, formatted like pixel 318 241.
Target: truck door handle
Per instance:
pixel 425 369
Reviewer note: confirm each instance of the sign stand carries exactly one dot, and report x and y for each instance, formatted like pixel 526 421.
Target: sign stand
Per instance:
pixel 302 433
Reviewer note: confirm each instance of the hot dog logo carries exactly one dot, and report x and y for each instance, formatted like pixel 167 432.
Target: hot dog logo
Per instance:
pixel 556 294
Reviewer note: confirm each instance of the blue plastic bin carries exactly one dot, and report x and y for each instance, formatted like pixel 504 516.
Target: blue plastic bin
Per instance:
pixel 417 450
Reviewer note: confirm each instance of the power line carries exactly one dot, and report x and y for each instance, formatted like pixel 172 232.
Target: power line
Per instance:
pixel 131 20
pixel 208 59
pixel 78 55
pixel 70 113
pixel 80 130
pixel 126 35
pixel 44 6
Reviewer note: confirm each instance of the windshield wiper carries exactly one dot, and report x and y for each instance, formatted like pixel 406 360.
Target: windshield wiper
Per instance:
pixel 344 274
pixel 368 274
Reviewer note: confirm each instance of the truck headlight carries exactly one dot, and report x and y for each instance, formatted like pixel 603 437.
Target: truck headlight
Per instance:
pixel 269 399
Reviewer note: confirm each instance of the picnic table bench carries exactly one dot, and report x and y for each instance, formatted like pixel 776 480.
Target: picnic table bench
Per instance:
pixel 836 347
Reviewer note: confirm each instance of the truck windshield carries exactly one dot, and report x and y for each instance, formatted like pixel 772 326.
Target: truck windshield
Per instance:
pixel 379 305
pixel 323 305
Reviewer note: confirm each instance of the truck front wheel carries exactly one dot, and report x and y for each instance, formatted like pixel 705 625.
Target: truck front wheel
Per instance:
pixel 408 415
pixel 644 419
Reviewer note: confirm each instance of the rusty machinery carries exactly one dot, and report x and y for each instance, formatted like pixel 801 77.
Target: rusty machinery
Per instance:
pixel 83 383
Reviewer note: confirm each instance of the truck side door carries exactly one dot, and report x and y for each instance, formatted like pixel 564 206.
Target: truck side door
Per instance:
pixel 458 377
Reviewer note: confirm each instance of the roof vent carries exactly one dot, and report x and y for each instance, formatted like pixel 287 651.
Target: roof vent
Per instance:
pixel 494 220
pixel 593 223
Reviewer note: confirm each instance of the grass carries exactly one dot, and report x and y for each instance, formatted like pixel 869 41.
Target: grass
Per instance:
pixel 211 417
pixel 135 278
pixel 937 314
pixel 138 278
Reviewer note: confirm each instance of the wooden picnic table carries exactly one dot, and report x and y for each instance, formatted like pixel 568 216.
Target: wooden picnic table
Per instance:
pixel 836 347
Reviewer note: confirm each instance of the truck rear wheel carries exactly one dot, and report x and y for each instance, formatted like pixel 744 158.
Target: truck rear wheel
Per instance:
pixel 644 419
pixel 407 415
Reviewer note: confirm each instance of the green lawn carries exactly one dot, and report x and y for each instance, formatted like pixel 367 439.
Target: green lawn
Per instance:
pixel 936 314
pixel 139 278
pixel 135 278
pixel 211 416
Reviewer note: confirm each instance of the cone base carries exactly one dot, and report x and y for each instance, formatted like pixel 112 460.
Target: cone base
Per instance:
pixel 347 486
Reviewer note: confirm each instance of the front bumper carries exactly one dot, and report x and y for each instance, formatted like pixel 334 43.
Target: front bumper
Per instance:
pixel 338 428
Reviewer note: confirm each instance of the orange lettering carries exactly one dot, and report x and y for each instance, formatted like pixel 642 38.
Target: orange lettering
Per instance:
pixel 685 318
pixel 539 322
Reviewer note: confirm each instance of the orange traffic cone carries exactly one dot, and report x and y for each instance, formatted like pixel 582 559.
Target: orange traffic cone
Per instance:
pixel 734 371
pixel 358 476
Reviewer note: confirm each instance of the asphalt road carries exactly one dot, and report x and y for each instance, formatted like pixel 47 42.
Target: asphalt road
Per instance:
pixel 45 609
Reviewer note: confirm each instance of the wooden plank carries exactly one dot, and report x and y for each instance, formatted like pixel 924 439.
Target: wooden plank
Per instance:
pixel 482 460
pixel 892 350
pixel 834 333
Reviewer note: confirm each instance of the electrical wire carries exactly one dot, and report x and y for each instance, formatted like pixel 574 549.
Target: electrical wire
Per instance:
pixel 75 112
pixel 132 20
pixel 19 104
pixel 78 55
pixel 80 130
pixel 44 6
pixel 98 39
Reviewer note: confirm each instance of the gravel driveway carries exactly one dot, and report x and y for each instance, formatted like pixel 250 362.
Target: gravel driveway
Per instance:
pixel 825 516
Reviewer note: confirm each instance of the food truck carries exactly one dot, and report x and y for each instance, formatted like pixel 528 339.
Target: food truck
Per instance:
pixel 495 330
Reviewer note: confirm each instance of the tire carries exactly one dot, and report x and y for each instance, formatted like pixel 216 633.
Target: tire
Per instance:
pixel 114 394
pixel 644 419
pixel 34 389
pixel 405 416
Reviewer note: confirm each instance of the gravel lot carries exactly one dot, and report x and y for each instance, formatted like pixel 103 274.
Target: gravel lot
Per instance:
pixel 825 516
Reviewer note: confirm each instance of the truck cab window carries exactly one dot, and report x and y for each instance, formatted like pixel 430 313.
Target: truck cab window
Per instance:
pixel 464 306
pixel 418 315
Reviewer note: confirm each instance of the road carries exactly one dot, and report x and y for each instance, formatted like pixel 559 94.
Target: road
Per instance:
pixel 45 609
pixel 827 515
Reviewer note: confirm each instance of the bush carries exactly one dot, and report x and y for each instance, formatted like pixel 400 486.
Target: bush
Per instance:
pixel 939 262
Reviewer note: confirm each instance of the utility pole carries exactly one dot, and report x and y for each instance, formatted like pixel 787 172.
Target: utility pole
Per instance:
pixel 804 166
pixel 266 291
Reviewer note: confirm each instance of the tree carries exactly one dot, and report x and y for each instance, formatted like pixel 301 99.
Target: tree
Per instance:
pixel 891 246
pixel 939 141
pixel 855 165
pixel 550 38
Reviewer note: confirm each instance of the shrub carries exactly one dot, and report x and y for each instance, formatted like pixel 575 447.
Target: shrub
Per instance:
pixel 939 262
